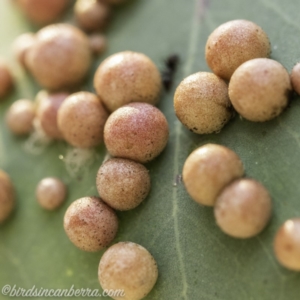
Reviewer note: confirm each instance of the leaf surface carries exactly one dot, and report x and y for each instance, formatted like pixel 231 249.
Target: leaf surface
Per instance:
pixel 195 259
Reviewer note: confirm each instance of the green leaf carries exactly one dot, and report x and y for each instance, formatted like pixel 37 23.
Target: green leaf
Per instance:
pixel 195 259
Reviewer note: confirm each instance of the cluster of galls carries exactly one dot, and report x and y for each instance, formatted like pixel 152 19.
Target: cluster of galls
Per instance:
pixel 121 114
pixel 258 90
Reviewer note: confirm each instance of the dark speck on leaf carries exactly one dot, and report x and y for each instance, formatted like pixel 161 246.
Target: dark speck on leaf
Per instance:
pixel 172 62
pixel 167 74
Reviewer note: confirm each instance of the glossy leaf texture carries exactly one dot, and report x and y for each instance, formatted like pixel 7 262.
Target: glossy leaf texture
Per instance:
pixel 195 259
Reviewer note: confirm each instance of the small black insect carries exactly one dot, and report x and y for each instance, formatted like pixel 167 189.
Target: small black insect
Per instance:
pixel 171 64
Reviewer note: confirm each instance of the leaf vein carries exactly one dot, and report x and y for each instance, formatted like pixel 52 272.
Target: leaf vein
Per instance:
pixel 278 10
